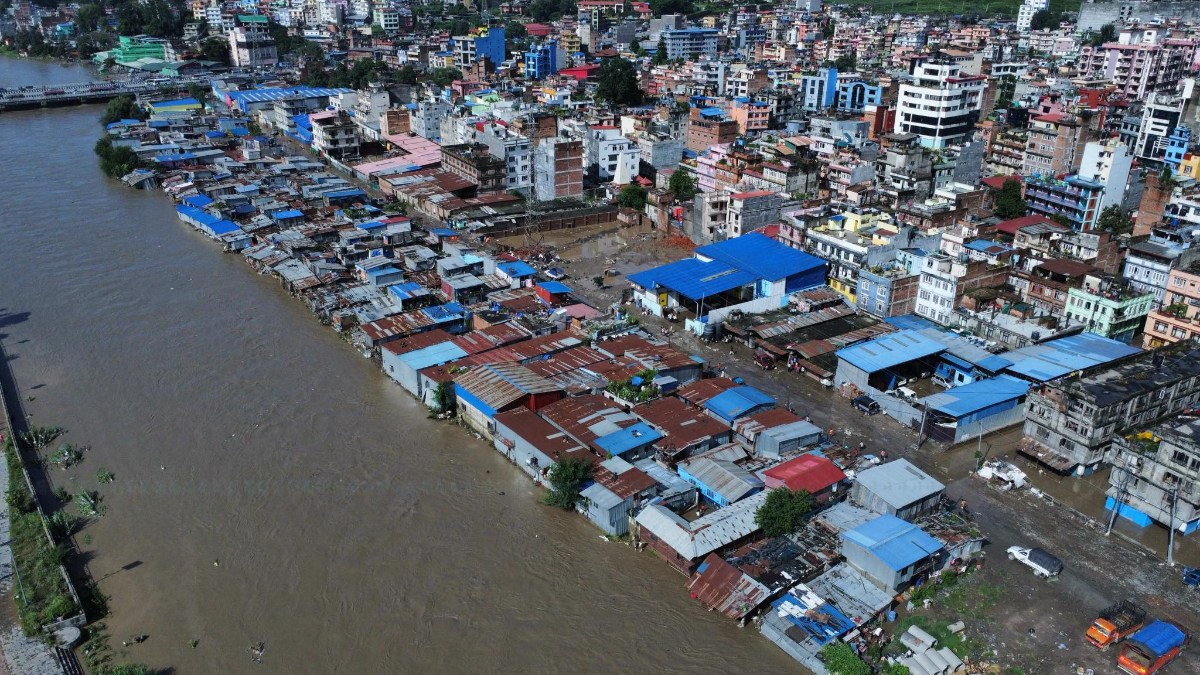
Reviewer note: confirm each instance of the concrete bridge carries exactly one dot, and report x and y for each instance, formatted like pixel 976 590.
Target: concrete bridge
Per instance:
pixel 44 96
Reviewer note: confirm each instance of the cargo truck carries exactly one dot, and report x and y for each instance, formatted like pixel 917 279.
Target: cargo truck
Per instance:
pixel 1153 647
pixel 1115 623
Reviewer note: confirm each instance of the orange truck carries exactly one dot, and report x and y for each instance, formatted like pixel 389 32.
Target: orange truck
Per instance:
pixel 1115 623
pixel 1150 649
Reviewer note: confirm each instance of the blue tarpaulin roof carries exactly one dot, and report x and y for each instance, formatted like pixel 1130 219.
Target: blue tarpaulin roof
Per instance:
pixel 341 194
pixel 693 278
pixel 889 351
pixel 824 622
pixel 290 213
pixel 446 312
pixel 897 543
pixel 761 256
pixel 174 102
pixel 516 268
pixel 977 395
pixel 198 201
pixel 736 402
pixel 629 438
pixel 443 232
pixel 1053 359
pixel 555 287
pixel 408 289
pixel 175 156
pixel 1158 638
pixel 911 321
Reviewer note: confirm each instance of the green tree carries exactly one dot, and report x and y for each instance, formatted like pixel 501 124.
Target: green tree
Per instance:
pixel 1114 220
pixel 660 7
pixel 116 160
pixel 617 82
pixel 198 92
pixel 636 47
pixel 443 396
pixel 567 478
pixel 378 32
pixel 682 184
pixel 783 512
pixel 408 74
pixel 514 30
pixel 895 669
pixel 828 29
pixel 129 669
pixel 1005 89
pixel 846 63
pixel 632 196
pixel 840 659
pixel 89 17
pixel 1009 203
pixel 442 77
pixel 660 52
pixel 1044 19
pixel 121 108
pixel 1107 33
pixel 215 49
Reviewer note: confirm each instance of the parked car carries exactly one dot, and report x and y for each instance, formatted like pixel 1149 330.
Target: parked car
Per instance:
pixel 866 404
pixel 764 360
pixel 1042 563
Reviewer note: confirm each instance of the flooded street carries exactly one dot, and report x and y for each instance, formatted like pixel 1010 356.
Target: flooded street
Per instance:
pixel 353 535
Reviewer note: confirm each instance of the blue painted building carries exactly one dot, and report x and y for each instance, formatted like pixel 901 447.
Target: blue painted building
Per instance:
pixel 737 402
pixel 541 60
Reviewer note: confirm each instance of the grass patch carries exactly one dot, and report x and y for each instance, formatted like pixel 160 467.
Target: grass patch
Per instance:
pixel 987 8
pixel 41 591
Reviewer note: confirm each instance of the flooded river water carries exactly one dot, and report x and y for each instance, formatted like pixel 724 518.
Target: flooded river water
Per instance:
pixel 353 534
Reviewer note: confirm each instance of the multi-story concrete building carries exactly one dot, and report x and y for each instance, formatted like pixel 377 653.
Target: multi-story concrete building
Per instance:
pixel 1007 152
pixel 945 279
pixel 939 103
pixel 1179 317
pixel 703 133
pixel 1071 423
pixel 751 211
pixel 480 43
pixel 752 117
pixel 475 162
pixel 251 44
pixel 1055 143
pixel 541 60
pixel 335 134
pixel 1108 308
pixel 614 156
pixel 1155 476
pixel 1026 11
pixel 1142 61
pixel 659 150
pixel 905 169
pixel 690 43
pixel 1075 198
pixel 427 118
pixel 888 290
pixel 1161 114
pixel 558 168
pixel 516 151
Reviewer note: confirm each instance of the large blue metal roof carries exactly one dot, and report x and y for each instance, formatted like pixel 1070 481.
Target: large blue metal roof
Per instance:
pixel 555 287
pixel 1053 359
pixel 517 268
pixel 433 355
pixel 761 256
pixel 898 543
pixel 977 395
pixel 629 438
pixel 889 351
pixel 737 401
pixel 693 278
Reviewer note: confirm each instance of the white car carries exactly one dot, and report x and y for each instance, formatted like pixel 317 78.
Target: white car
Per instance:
pixel 1042 563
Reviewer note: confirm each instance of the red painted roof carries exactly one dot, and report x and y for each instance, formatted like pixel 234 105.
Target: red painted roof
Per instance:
pixel 1011 226
pixel 810 473
pixel 997 182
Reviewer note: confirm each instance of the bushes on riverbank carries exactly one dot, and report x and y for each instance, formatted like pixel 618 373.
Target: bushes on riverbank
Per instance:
pixel 42 594
pixel 116 160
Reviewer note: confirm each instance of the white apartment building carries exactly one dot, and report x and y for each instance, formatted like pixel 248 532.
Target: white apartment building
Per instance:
pixel 937 288
pixel 1143 60
pixel 614 156
pixel 1109 163
pixel 251 44
pixel 939 104
pixel 516 151
pixel 335 134
pixel 1026 11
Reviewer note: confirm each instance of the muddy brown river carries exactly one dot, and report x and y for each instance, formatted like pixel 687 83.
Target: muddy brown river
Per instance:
pixel 353 535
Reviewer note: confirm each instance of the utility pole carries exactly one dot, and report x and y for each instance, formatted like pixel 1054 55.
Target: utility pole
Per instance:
pixel 1171 524
pixel 1118 498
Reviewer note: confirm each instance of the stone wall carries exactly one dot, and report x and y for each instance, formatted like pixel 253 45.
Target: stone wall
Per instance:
pixel 1094 14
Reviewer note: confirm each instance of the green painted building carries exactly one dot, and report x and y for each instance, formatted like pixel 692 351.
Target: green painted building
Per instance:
pixel 133 48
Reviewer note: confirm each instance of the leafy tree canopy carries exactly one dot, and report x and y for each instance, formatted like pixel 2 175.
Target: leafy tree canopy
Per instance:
pixel 840 659
pixel 1009 203
pixel 660 7
pixel 783 512
pixel 567 478
pixel 1044 19
pixel 617 82
pixel 1114 220
pixel 632 196
pixel 683 184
